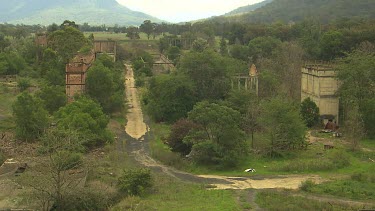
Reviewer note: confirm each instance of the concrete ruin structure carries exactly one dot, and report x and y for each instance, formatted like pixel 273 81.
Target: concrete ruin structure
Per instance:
pixel 320 84
pixel 105 46
pixel 248 82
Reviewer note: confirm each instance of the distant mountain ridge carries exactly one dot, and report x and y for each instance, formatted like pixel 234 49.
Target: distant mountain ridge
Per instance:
pixel 270 11
pixel 94 12
pixel 248 8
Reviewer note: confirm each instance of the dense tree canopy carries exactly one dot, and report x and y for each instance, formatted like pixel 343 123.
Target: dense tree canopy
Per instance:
pixel 283 125
pixel 99 85
pixel 357 76
pixel 85 116
pixel 218 138
pixel 209 72
pixel 53 97
pixel 170 97
pixel 30 117
pixel 67 41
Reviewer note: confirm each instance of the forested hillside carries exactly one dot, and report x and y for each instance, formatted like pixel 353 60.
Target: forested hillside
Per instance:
pixel 248 8
pixel 298 10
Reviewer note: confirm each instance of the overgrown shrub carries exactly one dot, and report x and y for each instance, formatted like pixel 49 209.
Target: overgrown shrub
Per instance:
pixel 23 84
pixel 30 117
pixel 340 158
pixel 363 177
pixel 88 200
pixel 135 181
pixel 179 130
pixel 307 185
pixel 309 112
pixel 66 160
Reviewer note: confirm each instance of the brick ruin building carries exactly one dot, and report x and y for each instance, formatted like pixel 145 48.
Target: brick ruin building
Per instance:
pixel 41 39
pixel 105 46
pixel 77 68
pixel 75 74
pixel 320 84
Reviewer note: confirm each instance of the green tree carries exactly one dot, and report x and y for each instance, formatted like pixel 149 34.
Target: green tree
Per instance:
pixel 135 181
pixel 179 130
pixel 354 126
pixel 283 125
pixel 218 138
pixel 67 42
pixel 106 60
pixel 11 63
pixel 30 117
pixel 147 27
pixel 357 75
pixel 332 45
pixel 223 47
pixel 170 97
pixel 209 72
pixel 309 36
pixel 4 42
pixel 85 116
pixel 52 28
pixel 269 84
pixel 163 44
pixel 53 97
pixel 23 84
pixel 199 45
pixel 99 85
pixel 132 32
pixel 263 47
pixel 174 53
pixel 310 112
pixel 240 52
pixel 51 180
pixel 68 23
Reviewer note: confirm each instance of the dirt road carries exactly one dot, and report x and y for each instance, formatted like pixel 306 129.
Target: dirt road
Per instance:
pixel 137 147
pixel 135 127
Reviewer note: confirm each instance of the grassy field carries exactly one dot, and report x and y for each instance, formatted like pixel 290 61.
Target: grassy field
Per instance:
pixel 7 97
pixel 171 194
pixel 273 200
pixel 119 36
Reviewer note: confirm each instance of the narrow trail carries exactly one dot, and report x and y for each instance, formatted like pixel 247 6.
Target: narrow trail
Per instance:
pixel 137 147
pixel 135 127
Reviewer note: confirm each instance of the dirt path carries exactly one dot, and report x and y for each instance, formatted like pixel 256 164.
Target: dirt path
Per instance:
pixel 137 146
pixel 135 127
